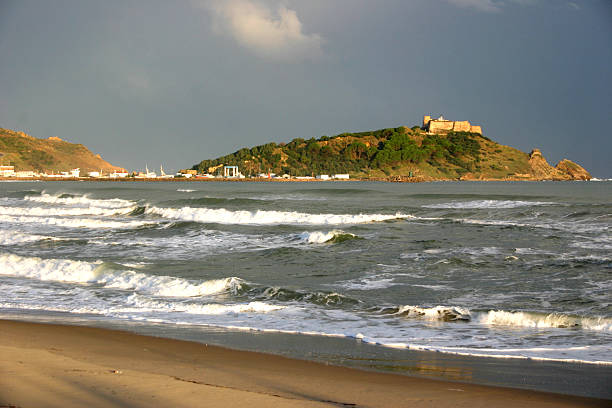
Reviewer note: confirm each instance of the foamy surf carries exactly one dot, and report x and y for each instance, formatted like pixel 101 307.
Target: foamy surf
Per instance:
pixel 112 276
pixel 65 211
pixel 486 204
pixel 73 222
pixel 263 217
pixel 443 313
pixel 544 320
pixel 144 303
pixel 320 237
pixel 80 201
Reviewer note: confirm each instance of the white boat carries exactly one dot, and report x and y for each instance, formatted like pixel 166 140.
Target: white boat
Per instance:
pixel 149 174
pixel 163 174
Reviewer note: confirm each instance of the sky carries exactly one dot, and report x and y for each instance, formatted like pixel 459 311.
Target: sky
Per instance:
pixel 174 82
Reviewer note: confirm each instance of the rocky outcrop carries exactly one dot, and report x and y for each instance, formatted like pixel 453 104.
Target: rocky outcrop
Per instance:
pixel 573 170
pixel 565 170
pixel 540 169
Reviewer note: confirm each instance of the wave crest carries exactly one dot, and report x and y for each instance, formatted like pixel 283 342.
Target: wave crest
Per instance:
pixel 320 237
pixel 113 276
pixel 443 313
pixel 543 320
pixel 484 204
pixel 260 217
pixel 76 200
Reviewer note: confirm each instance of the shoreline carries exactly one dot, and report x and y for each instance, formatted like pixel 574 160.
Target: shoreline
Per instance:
pixel 391 179
pixel 77 365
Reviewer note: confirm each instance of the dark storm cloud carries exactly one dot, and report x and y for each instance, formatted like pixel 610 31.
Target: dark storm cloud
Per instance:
pixel 173 83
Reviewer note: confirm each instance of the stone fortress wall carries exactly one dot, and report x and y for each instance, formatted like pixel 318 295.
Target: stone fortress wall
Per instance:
pixel 441 125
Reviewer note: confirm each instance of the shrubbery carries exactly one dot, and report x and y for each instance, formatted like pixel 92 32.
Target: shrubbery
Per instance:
pixel 349 153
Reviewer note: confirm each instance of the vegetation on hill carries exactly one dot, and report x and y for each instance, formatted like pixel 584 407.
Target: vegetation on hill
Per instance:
pixel 379 153
pixel 45 155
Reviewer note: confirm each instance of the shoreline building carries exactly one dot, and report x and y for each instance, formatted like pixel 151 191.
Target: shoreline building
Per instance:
pixel 442 125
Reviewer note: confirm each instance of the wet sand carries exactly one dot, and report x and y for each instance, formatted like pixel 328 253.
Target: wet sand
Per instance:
pixel 44 365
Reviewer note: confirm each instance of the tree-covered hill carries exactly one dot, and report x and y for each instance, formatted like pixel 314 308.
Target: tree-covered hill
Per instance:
pixel 384 153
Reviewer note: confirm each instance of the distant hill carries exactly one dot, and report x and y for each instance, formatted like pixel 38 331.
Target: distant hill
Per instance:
pixel 398 154
pixel 45 155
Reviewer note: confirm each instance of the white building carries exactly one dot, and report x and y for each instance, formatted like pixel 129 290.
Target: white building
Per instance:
pixel 323 177
pixel 25 174
pixel 95 174
pixel 118 174
pixel 7 171
pixel 340 176
pixel 231 172
pixel 75 172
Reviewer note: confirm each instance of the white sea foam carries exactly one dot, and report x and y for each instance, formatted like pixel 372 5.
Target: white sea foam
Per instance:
pixel 185 190
pixel 84 201
pixel 444 313
pixel 541 320
pixel 65 270
pixel 484 204
pixel 142 302
pixel 575 227
pixel 9 237
pixel 64 211
pixel 260 217
pixel 320 237
pixel 73 222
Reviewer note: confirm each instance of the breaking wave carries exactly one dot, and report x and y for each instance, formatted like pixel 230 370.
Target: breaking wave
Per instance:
pixel 8 237
pixel 259 217
pixel 484 204
pixel 288 295
pixel 319 237
pixel 443 313
pixel 543 320
pixel 76 200
pixel 74 222
pixel 66 211
pixel 112 276
pixel 142 302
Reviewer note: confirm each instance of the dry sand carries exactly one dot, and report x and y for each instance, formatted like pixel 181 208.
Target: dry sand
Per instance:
pixel 44 365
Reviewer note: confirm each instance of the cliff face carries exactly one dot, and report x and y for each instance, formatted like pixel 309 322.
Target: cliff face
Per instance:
pixel 45 155
pixel 573 170
pixel 564 170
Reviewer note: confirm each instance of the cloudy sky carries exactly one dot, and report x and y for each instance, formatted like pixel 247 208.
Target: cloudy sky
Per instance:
pixel 173 82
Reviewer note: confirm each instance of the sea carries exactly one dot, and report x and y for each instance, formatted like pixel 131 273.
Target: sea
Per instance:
pixel 501 270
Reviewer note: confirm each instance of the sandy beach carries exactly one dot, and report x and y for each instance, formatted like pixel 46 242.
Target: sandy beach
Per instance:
pixel 44 365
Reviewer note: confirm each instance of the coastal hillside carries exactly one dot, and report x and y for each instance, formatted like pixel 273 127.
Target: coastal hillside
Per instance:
pixel 47 155
pixel 400 153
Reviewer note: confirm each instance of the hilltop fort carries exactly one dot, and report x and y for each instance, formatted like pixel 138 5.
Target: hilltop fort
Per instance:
pixel 442 125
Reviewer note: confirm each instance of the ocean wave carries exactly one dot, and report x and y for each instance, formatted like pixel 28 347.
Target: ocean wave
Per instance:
pixel 144 303
pixel 77 200
pixel 288 295
pixel 112 276
pixel 575 227
pixel 9 237
pixel 185 190
pixel 262 217
pixel 66 211
pixel 73 222
pixel 319 237
pixel 443 313
pixel 543 320
pixel 485 204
